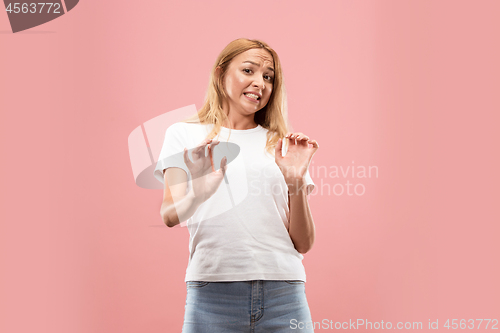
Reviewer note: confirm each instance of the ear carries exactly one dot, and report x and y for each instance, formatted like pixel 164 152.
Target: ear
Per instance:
pixel 218 71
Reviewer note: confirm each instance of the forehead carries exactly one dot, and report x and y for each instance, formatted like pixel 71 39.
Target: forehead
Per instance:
pixel 260 56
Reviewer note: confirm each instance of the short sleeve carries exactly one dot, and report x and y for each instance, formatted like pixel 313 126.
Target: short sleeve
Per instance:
pixel 172 152
pixel 309 182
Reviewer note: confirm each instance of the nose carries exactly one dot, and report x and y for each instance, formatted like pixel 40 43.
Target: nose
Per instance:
pixel 259 82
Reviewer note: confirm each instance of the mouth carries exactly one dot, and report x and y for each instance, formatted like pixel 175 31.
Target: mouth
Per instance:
pixel 252 97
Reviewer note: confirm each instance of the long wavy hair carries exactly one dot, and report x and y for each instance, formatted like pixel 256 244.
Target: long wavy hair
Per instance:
pixel 273 116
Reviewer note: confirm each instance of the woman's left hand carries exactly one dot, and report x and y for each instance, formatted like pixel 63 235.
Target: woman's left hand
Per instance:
pixel 295 163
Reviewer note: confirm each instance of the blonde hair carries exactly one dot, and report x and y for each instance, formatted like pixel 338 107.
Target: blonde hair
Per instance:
pixel 274 116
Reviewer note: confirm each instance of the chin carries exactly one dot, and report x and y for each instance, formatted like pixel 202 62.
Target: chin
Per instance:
pixel 251 110
pixel 256 110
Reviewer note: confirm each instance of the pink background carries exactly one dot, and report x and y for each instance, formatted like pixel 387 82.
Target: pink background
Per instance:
pixel 408 86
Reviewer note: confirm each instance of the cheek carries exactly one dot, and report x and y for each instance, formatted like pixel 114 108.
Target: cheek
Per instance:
pixel 268 94
pixel 240 81
pixel 229 86
pixel 233 85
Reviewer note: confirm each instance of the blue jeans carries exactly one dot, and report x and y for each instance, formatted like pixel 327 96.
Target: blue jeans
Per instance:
pixel 246 306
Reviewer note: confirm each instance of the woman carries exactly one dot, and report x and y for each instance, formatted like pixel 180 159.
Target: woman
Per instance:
pixel 247 237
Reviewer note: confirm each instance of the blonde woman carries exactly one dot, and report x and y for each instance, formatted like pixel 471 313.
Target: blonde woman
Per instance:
pixel 243 192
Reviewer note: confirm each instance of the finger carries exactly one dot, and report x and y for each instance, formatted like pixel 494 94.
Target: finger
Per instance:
pixel 211 157
pixel 186 158
pixel 223 165
pixel 295 135
pixel 303 142
pixel 211 143
pixel 314 143
pixel 278 150
pixel 202 145
pixel 204 142
pixel 202 149
pixel 197 151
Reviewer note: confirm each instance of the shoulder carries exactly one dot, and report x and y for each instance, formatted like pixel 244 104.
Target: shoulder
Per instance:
pixel 183 128
pixel 265 130
pixel 177 127
pixel 187 132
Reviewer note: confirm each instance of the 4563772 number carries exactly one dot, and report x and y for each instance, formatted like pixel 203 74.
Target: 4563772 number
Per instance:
pixel 471 324
pixel 34 8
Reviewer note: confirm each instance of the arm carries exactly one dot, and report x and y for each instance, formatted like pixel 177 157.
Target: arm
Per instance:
pixel 301 227
pixel 177 206
pixel 294 167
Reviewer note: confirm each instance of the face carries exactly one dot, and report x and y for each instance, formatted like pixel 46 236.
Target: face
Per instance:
pixel 250 72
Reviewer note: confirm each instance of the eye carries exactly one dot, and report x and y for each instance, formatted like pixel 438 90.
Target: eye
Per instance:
pixel 269 78
pixel 247 69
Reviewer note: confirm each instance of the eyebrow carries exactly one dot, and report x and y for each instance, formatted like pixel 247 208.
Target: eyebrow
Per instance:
pixel 253 63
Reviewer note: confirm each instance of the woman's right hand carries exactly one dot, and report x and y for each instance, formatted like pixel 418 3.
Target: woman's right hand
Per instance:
pixel 205 180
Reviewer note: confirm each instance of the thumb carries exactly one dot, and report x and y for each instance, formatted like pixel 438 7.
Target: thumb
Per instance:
pixel 223 165
pixel 278 149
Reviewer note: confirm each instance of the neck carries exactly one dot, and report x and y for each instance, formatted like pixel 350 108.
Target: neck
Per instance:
pixel 240 126
pixel 239 122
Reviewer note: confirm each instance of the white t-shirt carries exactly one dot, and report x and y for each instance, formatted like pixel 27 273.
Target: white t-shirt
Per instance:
pixel 240 233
